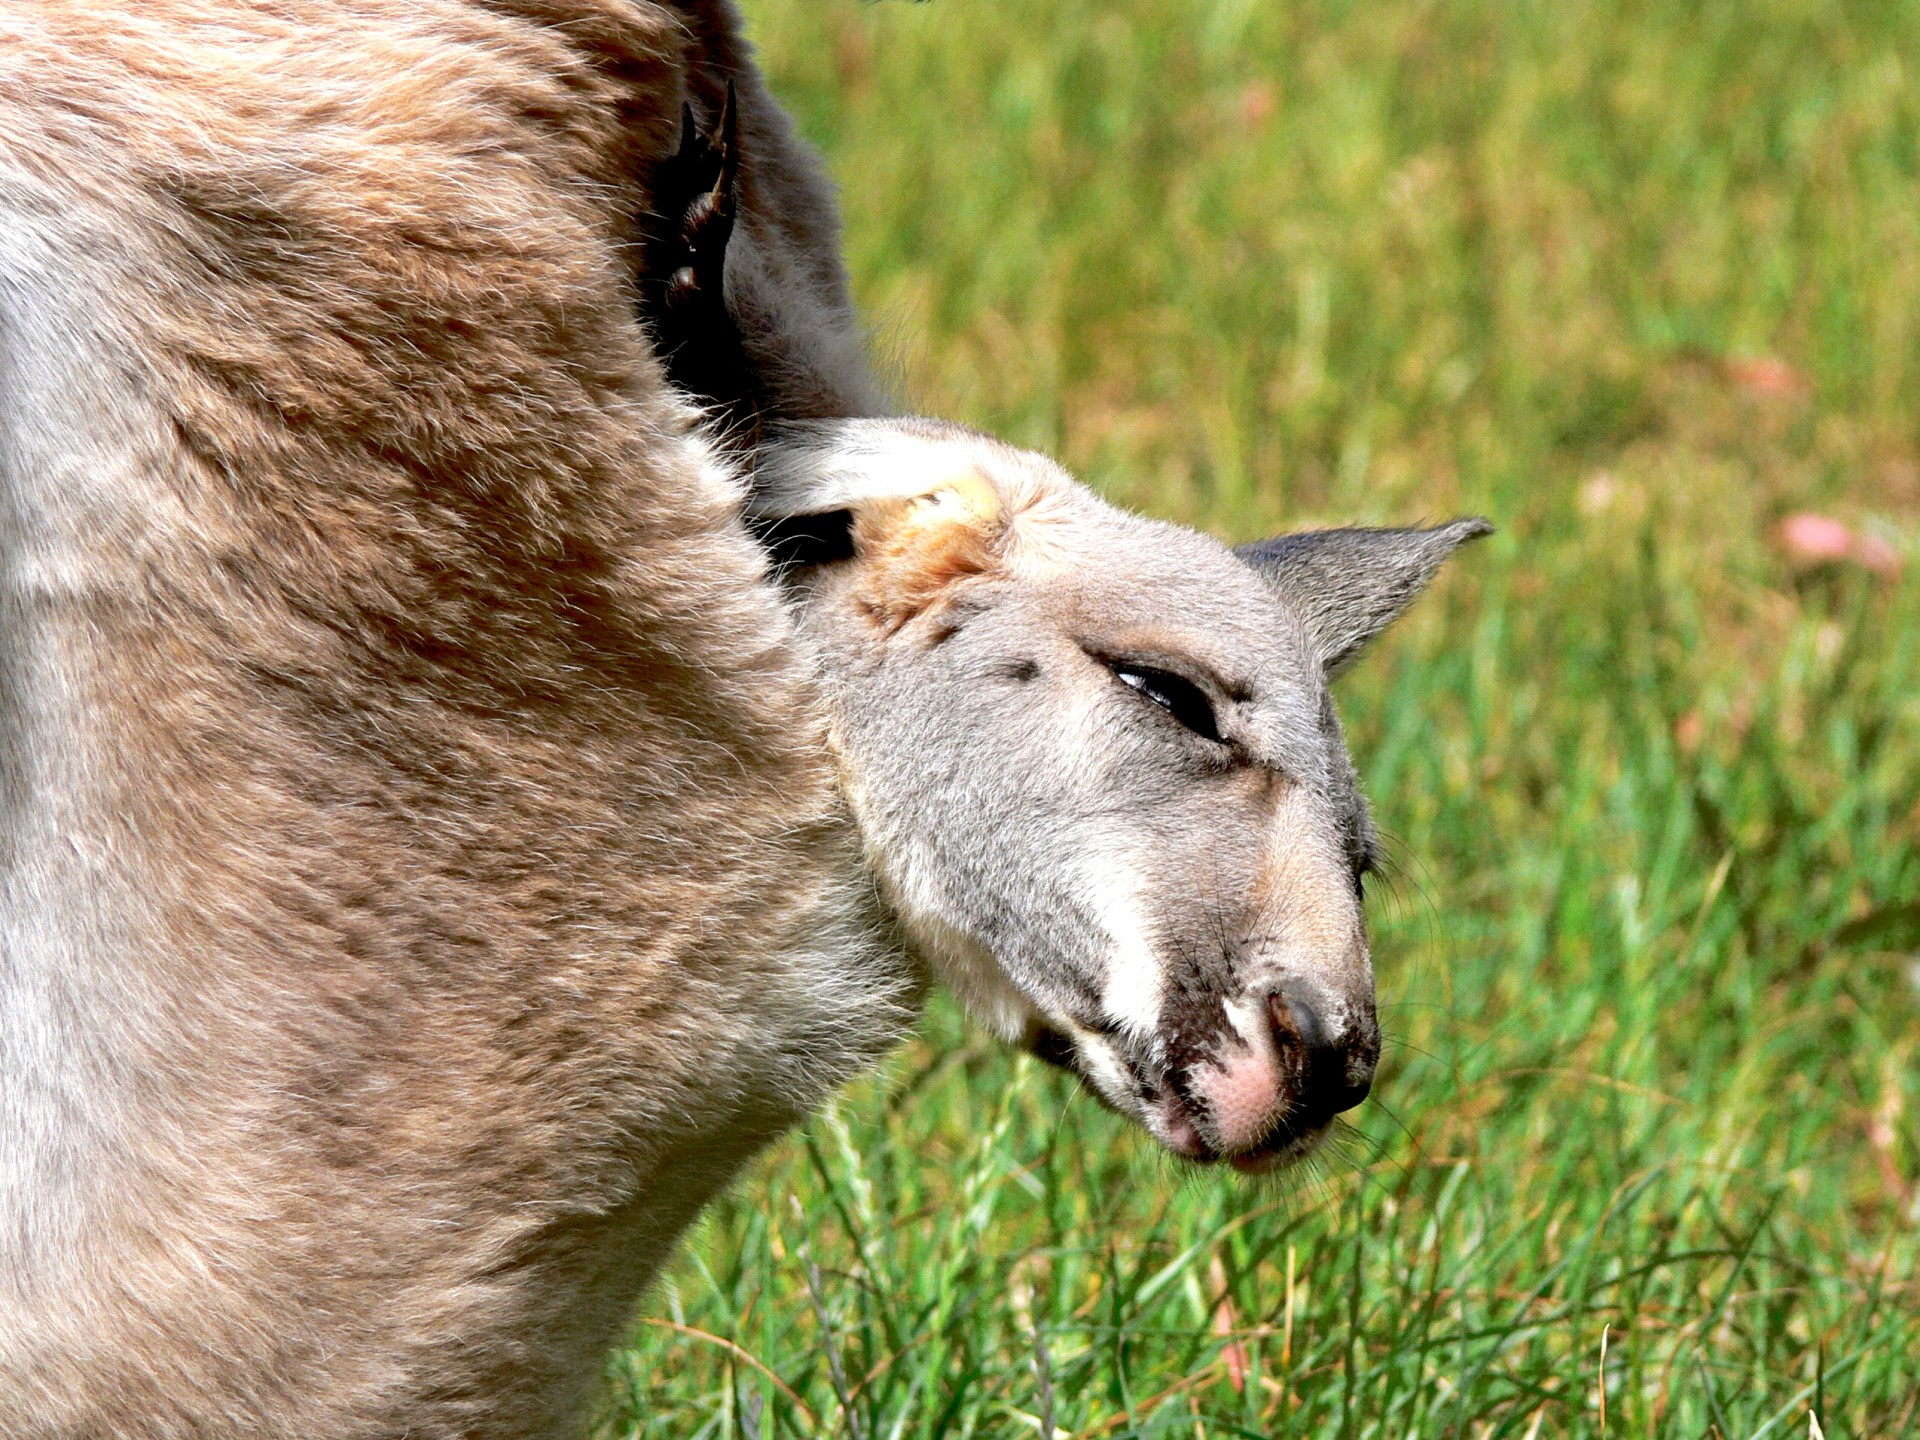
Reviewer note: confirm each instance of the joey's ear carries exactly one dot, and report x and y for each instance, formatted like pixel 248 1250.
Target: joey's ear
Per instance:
pixel 1349 585
pixel 911 503
pixel 912 549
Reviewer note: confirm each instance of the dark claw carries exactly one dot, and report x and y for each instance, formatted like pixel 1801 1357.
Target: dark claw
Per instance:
pixel 710 217
pixel 689 134
pixel 729 148
pixel 682 279
pixel 695 200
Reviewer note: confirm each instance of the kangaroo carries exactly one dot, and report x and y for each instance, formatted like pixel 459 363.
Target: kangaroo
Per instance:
pixel 438 846
pixel 1118 818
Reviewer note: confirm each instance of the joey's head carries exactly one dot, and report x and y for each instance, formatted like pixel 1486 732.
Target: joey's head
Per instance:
pixel 1097 767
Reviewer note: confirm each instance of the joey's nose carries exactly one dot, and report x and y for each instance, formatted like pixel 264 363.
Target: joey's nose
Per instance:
pixel 1335 1069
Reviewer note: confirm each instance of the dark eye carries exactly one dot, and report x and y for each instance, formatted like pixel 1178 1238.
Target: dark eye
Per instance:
pixel 1182 699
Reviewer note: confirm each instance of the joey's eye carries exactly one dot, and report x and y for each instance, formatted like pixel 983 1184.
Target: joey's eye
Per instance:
pixel 1182 699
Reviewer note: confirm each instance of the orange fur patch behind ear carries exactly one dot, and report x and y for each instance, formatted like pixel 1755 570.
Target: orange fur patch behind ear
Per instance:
pixel 912 549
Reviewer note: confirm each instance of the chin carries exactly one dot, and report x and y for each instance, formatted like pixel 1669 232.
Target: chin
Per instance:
pixel 1279 1152
pixel 1178 1133
pixel 1283 1148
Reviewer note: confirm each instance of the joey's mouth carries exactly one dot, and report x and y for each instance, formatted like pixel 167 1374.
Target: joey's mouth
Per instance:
pixel 1176 1120
pixel 1280 1149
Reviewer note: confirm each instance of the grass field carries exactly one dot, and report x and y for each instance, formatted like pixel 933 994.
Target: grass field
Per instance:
pixel 1635 280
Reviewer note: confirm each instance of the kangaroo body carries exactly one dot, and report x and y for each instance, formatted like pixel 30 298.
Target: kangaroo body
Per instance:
pixel 422 876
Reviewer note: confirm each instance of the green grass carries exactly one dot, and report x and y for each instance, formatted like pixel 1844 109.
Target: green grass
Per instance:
pixel 1648 971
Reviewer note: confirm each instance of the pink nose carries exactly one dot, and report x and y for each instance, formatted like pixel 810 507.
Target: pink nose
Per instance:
pixel 1243 1098
pixel 1303 1076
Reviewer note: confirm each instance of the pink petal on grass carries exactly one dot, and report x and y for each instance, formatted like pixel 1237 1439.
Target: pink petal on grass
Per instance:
pixel 1688 731
pixel 1258 102
pixel 1809 539
pixel 1768 376
pixel 1226 1325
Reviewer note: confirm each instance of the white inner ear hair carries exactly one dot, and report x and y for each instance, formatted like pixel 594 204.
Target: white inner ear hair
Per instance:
pixel 817 467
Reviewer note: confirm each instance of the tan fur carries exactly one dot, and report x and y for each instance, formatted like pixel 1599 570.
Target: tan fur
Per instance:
pixel 913 550
pixel 974 515
pixel 411 806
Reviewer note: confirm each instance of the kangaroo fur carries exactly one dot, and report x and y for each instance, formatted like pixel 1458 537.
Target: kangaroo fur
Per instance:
pixel 422 878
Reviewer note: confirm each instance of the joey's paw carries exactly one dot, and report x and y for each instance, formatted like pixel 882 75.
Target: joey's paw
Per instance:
pixel 698 186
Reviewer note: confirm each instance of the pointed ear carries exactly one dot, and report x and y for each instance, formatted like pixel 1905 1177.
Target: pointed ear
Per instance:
pixel 1349 585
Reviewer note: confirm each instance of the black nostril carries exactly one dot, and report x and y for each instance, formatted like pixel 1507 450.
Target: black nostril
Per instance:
pixel 1309 1030
pixel 1334 1075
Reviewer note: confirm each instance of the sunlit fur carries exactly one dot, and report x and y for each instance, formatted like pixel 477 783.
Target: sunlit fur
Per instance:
pixel 422 876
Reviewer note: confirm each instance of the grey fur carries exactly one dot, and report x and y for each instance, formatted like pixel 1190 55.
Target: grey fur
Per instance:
pixel 1349 585
pixel 1069 858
